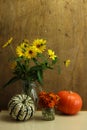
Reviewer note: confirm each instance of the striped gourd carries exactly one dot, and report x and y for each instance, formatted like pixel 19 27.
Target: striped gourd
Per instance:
pixel 21 107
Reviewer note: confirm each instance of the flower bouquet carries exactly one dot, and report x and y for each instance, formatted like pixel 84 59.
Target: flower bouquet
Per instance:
pixel 30 60
pixel 28 63
pixel 47 102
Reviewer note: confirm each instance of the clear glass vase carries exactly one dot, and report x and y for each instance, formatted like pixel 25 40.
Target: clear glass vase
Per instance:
pixel 29 88
pixel 48 114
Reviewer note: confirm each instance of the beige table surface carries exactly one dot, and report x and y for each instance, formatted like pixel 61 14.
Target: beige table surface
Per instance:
pixel 61 122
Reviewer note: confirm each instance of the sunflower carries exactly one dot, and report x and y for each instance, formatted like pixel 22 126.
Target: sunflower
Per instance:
pixel 7 43
pixel 40 45
pixel 51 54
pixel 24 45
pixel 67 63
pixel 31 52
pixel 20 50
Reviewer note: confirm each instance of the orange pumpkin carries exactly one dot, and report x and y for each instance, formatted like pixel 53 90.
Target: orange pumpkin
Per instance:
pixel 69 103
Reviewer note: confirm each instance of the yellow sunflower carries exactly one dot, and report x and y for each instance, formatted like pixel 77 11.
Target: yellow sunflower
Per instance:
pixel 7 43
pixel 51 54
pixel 31 52
pixel 20 50
pixel 24 45
pixel 40 45
pixel 67 63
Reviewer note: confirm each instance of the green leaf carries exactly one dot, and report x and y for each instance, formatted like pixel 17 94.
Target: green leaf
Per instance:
pixel 59 69
pixel 35 61
pixel 54 61
pixel 40 76
pixel 12 80
pixel 46 65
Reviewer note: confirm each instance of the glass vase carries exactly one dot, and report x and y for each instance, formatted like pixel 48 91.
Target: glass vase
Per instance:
pixel 29 88
pixel 48 114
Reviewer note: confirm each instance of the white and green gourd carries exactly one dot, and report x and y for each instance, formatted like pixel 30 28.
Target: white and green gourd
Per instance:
pixel 21 107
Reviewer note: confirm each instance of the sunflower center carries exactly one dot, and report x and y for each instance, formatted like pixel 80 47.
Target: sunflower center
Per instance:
pixel 30 52
pixel 38 46
pixel 25 46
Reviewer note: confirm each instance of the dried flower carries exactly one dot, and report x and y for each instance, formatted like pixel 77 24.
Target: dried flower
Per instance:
pixel 48 100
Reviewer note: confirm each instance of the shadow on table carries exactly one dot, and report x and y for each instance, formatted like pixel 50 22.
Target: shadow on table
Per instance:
pixel 9 119
pixel 62 114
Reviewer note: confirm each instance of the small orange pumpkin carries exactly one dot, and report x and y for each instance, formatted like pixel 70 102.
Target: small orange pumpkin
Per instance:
pixel 69 103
